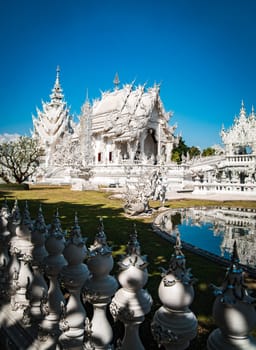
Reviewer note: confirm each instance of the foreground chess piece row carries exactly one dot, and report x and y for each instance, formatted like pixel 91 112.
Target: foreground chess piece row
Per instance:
pixel 39 252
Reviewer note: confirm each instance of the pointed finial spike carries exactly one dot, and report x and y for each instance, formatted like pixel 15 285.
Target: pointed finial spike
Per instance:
pixel 242 106
pixel 57 81
pixel 76 218
pixel 76 231
pixel 133 246
pixel 116 81
pixel 57 95
pixel 101 225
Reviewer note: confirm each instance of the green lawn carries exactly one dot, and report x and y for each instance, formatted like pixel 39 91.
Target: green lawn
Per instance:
pixel 91 205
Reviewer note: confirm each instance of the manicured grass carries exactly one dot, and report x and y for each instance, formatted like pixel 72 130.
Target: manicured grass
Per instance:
pixel 91 205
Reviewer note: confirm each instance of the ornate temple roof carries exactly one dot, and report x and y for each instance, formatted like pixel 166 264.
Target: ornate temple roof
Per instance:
pixel 122 113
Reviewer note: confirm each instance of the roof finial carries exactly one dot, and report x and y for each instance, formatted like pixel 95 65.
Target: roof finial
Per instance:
pixel 116 81
pixel 87 101
pixel 242 110
pixel 242 105
pixel 57 95
pixel 58 72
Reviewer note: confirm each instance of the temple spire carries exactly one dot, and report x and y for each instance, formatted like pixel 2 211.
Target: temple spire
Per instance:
pixel 57 96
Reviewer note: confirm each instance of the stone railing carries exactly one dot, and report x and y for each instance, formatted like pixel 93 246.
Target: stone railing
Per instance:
pixel 57 294
pixel 205 187
pixel 240 159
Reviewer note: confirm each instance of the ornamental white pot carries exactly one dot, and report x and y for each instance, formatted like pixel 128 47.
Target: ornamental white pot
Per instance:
pixel 133 277
pixel 174 294
pixel 100 265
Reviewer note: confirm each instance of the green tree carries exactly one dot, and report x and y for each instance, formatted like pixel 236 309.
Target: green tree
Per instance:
pixel 208 152
pixel 19 159
pixel 194 151
pixel 180 150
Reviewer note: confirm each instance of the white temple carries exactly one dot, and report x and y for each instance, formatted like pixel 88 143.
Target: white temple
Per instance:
pixel 127 125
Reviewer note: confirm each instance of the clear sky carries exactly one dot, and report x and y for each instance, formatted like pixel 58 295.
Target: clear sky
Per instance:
pixel 203 52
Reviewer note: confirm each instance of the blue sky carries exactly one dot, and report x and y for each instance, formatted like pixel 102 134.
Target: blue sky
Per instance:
pixel 203 52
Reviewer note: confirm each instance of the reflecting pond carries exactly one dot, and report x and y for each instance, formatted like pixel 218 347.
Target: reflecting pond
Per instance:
pixel 215 230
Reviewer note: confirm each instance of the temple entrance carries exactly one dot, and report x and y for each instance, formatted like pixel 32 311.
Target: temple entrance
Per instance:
pixel 150 145
pixel 242 177
pixel 124 152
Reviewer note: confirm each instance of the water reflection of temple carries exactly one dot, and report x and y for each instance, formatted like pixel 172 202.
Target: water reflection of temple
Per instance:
pixel 233 224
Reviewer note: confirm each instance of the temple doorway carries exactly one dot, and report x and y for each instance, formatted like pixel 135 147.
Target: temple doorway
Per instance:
pixel 150 145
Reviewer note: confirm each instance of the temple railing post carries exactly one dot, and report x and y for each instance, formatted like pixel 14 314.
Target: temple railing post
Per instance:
pixel 174 324
pixel 98 291
pixel 74 276
pixel 132 302
pixel 13 266
pixel 52 306
pixel 20 302
pixel 38 289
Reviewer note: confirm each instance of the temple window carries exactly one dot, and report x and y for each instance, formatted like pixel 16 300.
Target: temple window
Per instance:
pixel 99 157
pixel 110 156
